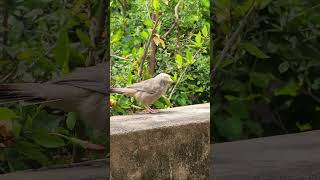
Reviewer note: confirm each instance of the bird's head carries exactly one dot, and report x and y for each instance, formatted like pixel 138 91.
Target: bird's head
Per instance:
pixel 164 78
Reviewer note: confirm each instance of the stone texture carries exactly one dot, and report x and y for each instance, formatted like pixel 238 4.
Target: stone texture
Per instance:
pixel 172 144
pixel 284 157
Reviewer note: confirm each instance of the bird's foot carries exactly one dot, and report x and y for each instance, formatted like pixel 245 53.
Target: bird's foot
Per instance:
pixel 152 111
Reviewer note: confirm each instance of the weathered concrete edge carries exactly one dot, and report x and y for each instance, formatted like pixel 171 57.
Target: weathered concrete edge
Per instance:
pixel 171 117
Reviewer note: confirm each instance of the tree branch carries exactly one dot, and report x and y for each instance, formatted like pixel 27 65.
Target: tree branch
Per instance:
pixel 230 41
pixel 143 58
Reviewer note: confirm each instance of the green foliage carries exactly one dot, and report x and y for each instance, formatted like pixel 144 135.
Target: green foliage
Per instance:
pixel 183 54
pixel 268 82
pixel 46 40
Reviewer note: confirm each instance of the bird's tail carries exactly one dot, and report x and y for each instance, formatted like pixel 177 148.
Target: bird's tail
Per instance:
pixel 126 91
pixel 10 93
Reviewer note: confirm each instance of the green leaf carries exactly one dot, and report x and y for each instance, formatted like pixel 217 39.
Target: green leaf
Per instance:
pixel 148 23
pixel 156 5
pixel 179 61
pixel 304 127
pixel 84 38
pixel 198 39
pixel 290 89
pixel 253 50
pixel 71 120
pixel 116 37
pixel 144 35
pixel 140 51
pixel 26 55
pixel 7 114
pixel 28 123
pixel 261 80
pixel 181 101
pixel 61 51
pixel 188 56
pixel 205 31
pixel 43 138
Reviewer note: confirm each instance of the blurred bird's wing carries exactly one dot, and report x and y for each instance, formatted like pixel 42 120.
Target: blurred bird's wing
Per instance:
pixel 148 86
pixel 93 78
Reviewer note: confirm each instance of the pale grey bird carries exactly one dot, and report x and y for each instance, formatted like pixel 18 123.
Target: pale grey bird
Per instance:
pixel 83 91
pixel 148 91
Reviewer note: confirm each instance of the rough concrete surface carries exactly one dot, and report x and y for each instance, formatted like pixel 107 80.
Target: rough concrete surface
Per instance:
pixel 173 144
pixel 284 157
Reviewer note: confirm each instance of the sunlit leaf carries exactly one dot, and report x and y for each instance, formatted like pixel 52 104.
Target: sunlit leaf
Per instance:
pixel 156 5
pixel 179 61
pixel 144 35
pixel 204 31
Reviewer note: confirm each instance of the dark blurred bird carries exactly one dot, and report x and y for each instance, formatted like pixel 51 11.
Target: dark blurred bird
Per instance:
pixel 148 91
pixel 83 91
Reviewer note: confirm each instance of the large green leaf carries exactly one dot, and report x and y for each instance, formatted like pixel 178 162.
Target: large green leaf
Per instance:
pixel 84 37
pixel 254 50
pixel 45 139
pixel 7 114
pixel 61 51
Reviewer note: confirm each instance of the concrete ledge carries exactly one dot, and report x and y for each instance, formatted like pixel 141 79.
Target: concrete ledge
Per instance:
pixel 284 157
pixel 173 144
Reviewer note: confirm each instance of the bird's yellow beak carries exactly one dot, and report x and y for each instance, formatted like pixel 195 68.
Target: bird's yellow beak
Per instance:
pixel 170 80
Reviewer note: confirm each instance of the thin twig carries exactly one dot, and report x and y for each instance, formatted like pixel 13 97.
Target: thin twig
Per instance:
pixel 231 40
pixel 176 21
pixel 118 57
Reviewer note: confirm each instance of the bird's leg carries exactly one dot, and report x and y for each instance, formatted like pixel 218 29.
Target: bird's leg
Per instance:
pixel 150 110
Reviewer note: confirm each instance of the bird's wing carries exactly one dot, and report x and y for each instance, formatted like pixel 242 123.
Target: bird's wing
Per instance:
pixel 148 86
pixel 93 78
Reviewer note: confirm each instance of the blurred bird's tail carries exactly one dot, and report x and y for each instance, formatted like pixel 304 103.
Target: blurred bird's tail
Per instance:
pixel 10 93
pixel 126 91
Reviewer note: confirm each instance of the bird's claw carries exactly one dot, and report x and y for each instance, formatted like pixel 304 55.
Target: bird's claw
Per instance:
pixel 152 111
